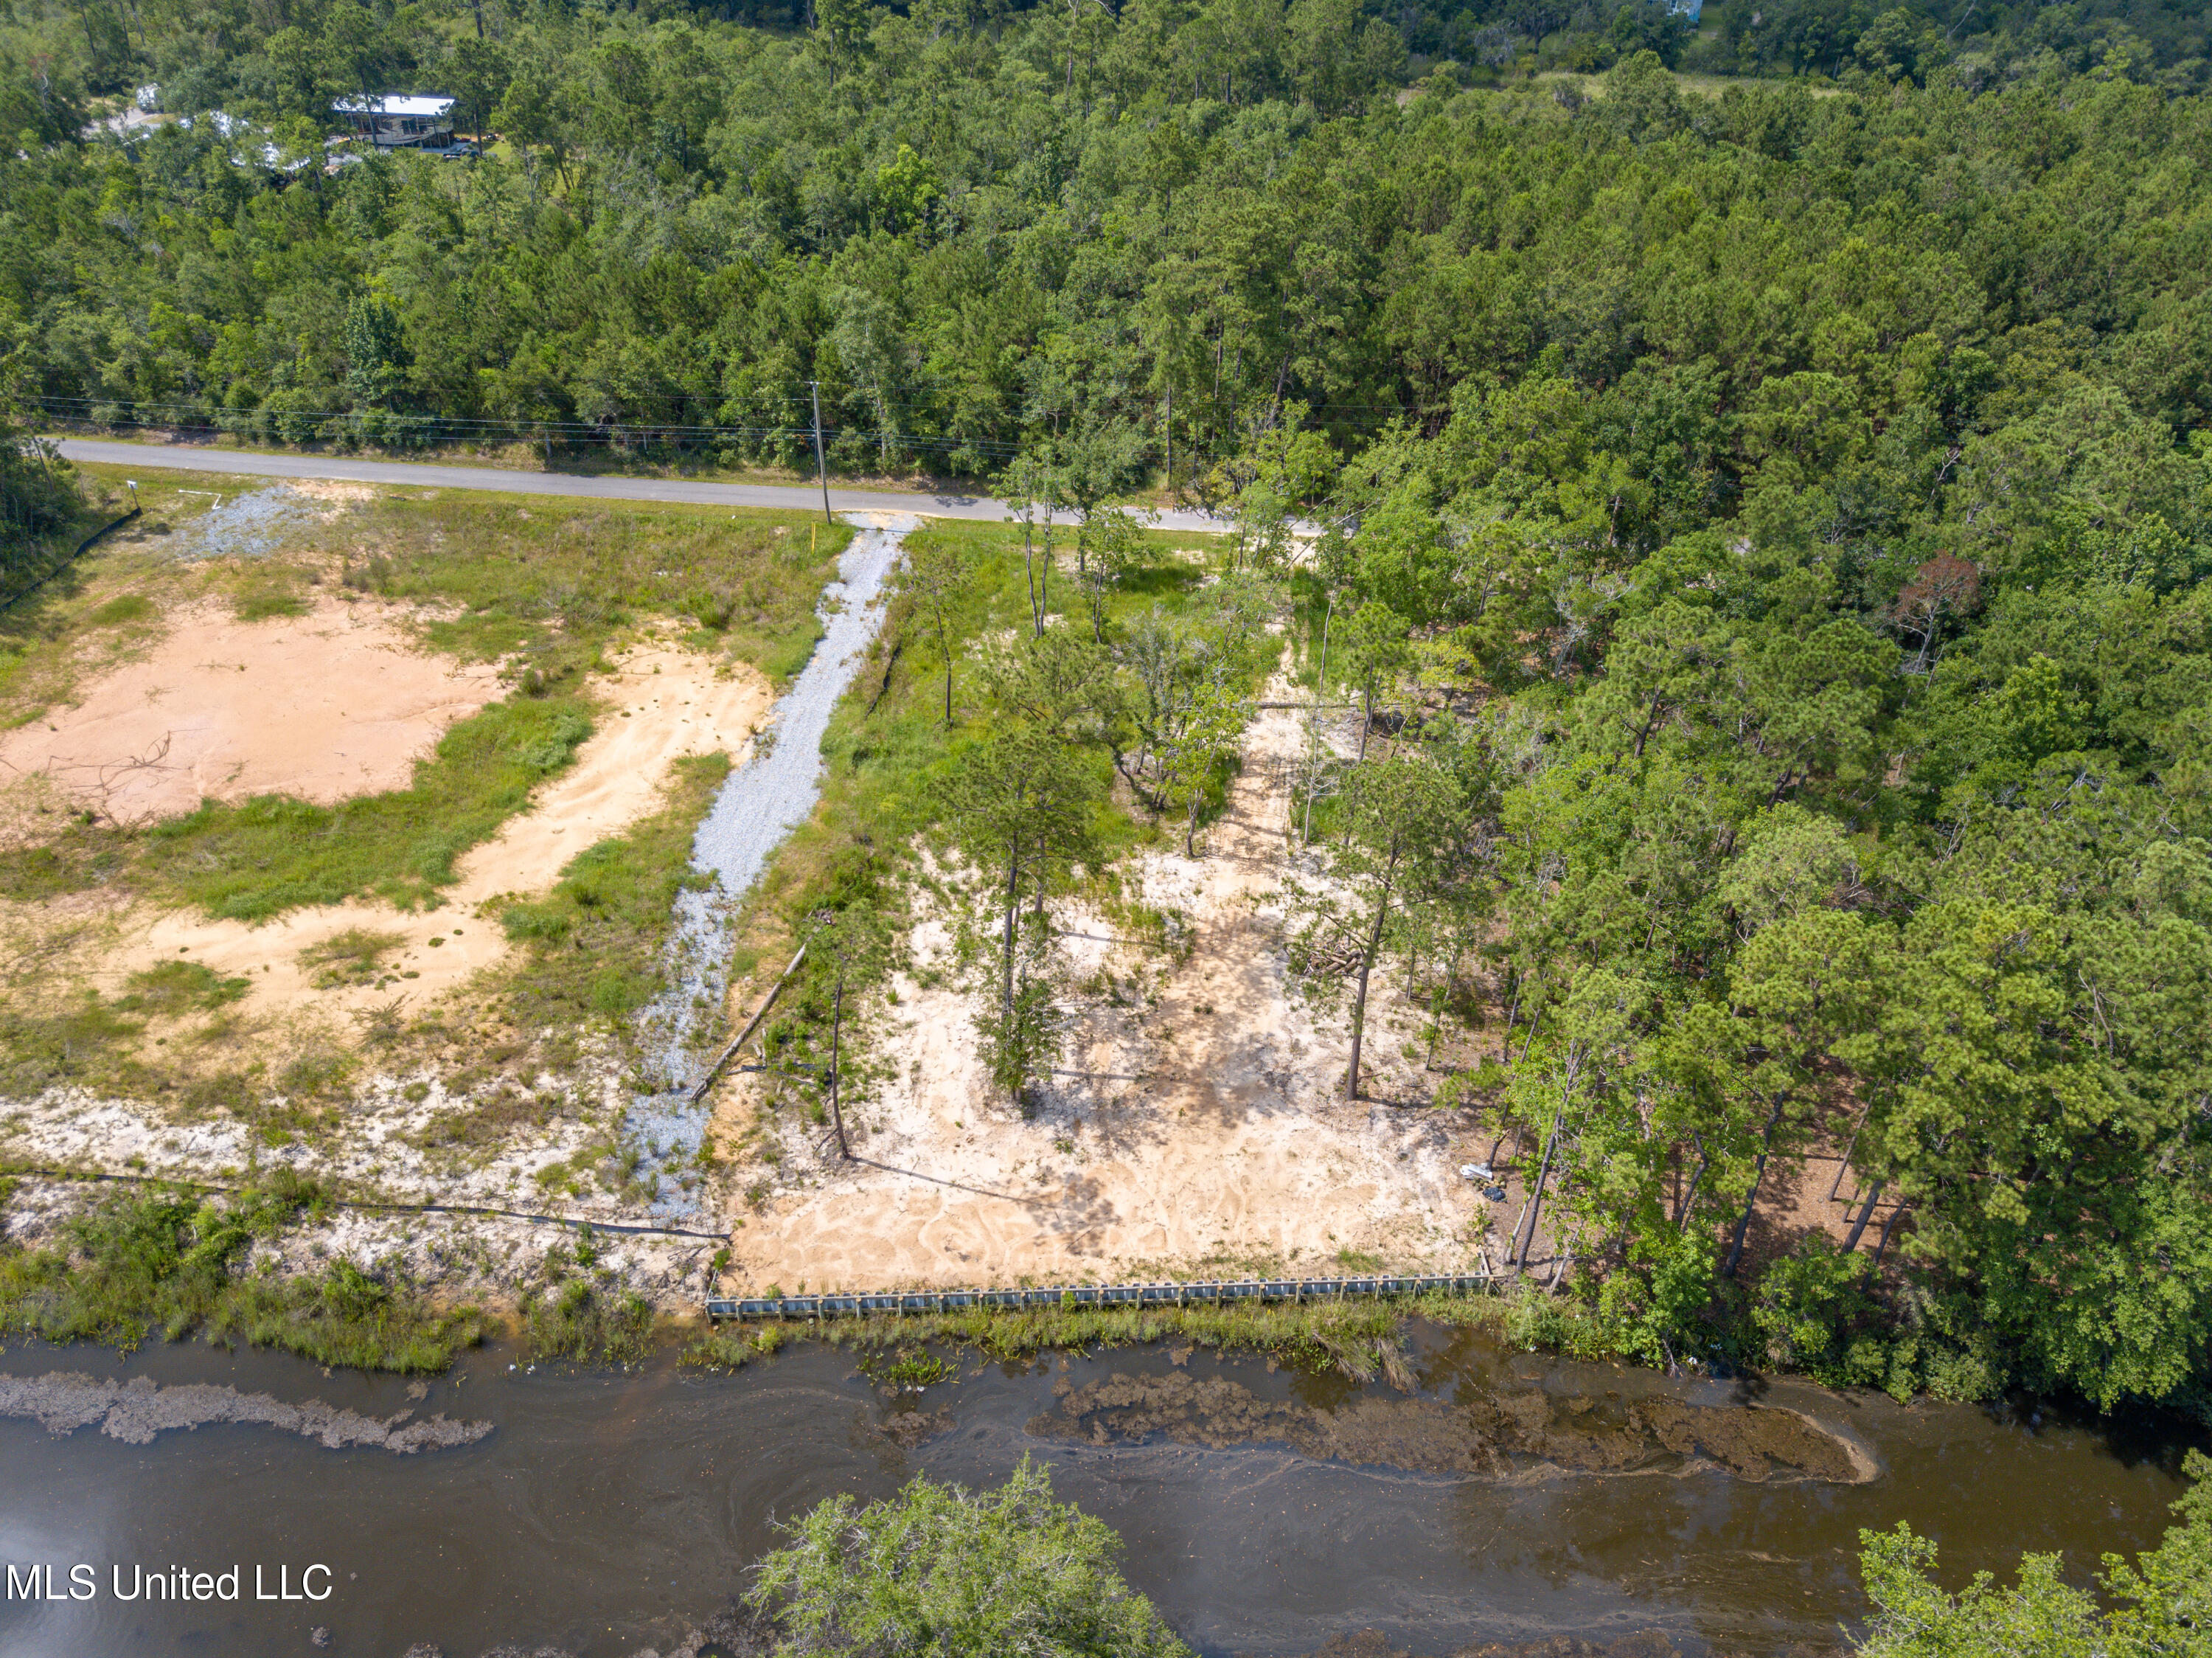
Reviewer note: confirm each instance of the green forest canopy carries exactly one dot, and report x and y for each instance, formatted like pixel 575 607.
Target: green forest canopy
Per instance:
pixel 1798 494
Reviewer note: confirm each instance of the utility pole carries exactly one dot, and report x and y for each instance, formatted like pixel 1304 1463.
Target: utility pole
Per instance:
pixel 1168 426
pixel 821 470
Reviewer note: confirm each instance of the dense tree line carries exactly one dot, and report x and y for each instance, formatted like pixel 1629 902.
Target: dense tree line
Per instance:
pixel 977 230
pixel 1767 530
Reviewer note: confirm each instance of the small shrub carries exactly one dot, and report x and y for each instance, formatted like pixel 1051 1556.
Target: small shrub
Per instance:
pixel 352 957
pixel 169 990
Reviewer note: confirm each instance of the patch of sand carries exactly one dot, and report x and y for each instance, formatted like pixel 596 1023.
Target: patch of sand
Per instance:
pixel 338 490
pixel 1206 1125
pixel 661 702
pixel 335 703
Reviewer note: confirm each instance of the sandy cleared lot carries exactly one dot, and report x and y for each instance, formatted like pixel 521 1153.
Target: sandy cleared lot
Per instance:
pixel 1207 1125
pixel 661 702
pixel 336 703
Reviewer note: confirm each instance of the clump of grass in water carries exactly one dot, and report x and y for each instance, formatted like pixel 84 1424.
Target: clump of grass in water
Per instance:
pixel 908 1369
pixel 164 1261
pixel 731 1348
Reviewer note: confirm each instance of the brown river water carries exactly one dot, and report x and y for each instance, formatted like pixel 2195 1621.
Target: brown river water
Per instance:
pixel 1511 1497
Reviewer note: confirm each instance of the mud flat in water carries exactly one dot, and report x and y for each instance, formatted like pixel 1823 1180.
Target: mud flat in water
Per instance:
pixel 139 1411
pixel 1495 1438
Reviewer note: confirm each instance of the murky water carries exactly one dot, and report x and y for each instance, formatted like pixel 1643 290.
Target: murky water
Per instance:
pixel 605 1513
pixel 762 802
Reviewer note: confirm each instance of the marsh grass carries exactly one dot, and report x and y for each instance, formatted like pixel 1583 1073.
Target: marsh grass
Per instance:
pixel 1357 1338
pixel 159 1261
pixel 579 1314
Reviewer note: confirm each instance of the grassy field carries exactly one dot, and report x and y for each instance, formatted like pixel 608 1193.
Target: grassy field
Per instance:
pixel 594 941
pixel 544 589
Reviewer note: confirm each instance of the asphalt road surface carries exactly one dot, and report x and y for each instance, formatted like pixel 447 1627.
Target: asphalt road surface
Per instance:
pixel 804 497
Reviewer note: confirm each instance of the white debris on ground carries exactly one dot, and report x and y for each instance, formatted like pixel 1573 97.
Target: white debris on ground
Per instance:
pixel 388 1151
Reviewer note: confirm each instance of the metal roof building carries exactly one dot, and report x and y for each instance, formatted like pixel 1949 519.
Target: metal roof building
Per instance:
pixel 392 122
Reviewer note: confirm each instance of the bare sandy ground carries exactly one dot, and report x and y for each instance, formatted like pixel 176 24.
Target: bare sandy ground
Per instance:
pixel 338 702
pixel 1205 1127
pixel 661 702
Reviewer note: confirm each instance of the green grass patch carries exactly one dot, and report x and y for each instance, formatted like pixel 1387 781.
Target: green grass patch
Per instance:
pixel 263 855
pixel 354 956
pixel 81 1038
pixel 159 1261
pixel 121 612
pixel 264 600
pixel 170 989
pixel 1357 1338
pixel 78 855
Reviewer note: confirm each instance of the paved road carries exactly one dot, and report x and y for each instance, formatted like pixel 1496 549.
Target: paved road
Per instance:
pixel 802 498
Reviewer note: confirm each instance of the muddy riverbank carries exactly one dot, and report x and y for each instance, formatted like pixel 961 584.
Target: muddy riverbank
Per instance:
pixel 1265 1512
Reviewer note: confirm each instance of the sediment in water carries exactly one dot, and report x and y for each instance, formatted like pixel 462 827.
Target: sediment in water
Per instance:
pixel 1490 1436
pixel 139 1411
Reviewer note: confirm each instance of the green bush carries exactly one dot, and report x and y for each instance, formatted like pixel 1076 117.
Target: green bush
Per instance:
pixel 940 1568
pixel 1816 1312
